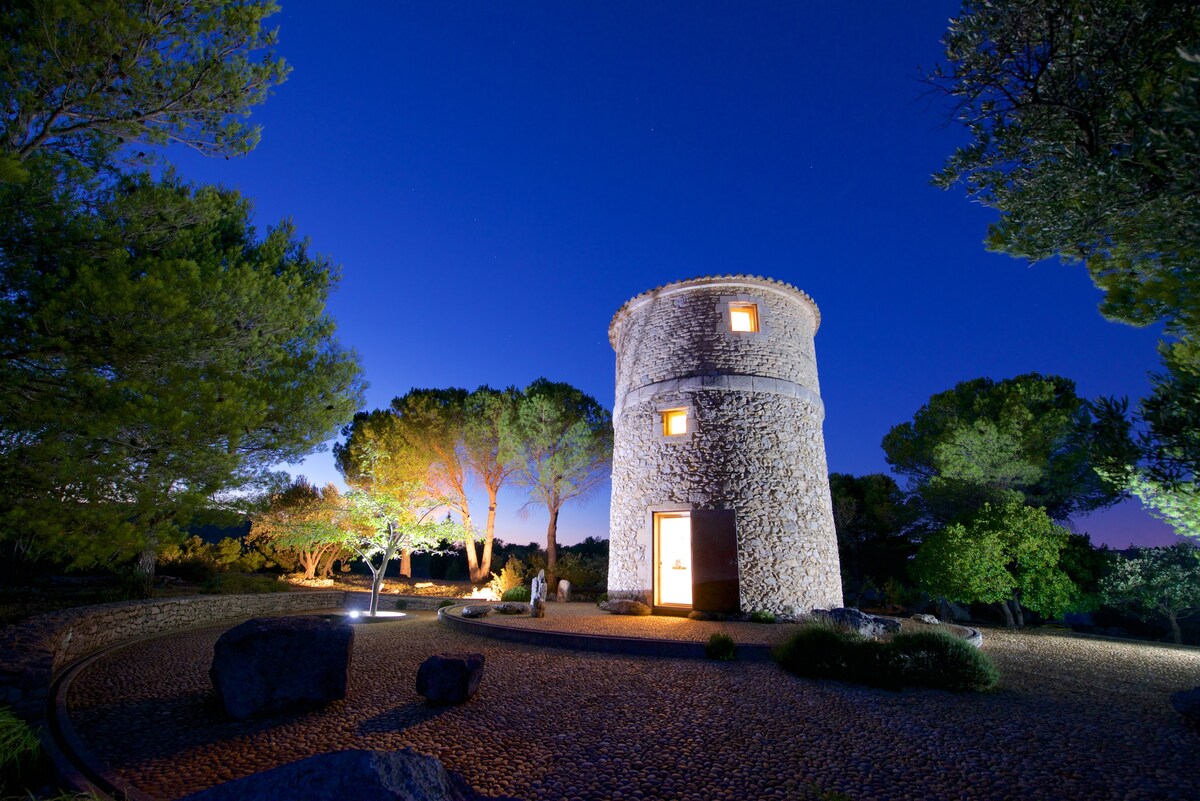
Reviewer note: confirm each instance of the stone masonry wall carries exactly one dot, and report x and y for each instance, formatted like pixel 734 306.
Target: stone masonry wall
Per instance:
pixel 755 444
pixel 33 652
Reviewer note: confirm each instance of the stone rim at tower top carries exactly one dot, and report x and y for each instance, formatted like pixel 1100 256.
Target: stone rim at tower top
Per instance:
pixel 740 279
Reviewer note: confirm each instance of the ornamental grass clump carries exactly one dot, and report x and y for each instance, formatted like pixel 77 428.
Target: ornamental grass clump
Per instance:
pixel 820 651
pixel 721 648
pixel 939 659
pixel 520 593
pixel 21 755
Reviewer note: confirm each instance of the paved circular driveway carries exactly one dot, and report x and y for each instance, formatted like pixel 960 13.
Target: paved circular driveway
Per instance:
pixel 1075 718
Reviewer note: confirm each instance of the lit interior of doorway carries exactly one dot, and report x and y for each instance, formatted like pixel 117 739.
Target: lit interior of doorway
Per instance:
pixel 673 546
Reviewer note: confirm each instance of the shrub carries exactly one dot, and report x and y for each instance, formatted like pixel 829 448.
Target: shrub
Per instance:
pixel 720 647
pixel 401 604
pixel 510 576
pixel 939 659
pixel 242 584
pixel 20 750
pixel 761 616
pixel 818 651
pixel 582 571
pixel 601 598
pixel 520 593
pixel 446 603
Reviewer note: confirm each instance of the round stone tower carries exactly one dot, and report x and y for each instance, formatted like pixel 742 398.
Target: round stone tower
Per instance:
pixel 720 489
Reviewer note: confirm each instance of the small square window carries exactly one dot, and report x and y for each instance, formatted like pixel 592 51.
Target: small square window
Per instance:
pixel 743 317
pixel 674 422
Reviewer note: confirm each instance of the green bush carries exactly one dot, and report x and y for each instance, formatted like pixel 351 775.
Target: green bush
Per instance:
pixel 241 584
pixel 21 755
pixel 919 659
pixel 511 575
pixel 446 603
pixel 720 647
pixel 760 616
pixel 401 604
pixel 584 572
pixel 939 659
pixel 601 598
pixel 521 593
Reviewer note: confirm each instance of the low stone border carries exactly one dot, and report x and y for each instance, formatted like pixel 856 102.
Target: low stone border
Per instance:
pixel 35 651
pixel 600 643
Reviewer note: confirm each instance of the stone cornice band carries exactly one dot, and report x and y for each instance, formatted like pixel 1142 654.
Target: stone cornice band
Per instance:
pixel 737 383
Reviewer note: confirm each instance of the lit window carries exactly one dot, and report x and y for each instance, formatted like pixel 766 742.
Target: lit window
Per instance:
pixel 743 317
pixel 674 422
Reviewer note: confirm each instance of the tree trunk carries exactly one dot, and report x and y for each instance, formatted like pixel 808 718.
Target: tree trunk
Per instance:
pixel 489 534
pixel 1175 632
pixel 309 560
pixel 1008 615
pixel 376 584
pixel 469 546
pixel 143 568
pixel 405 563
pixel 552 549
pixel 1015 603
pixel 330 557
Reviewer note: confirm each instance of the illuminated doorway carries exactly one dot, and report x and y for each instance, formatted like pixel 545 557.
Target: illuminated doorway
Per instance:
pixel 673 559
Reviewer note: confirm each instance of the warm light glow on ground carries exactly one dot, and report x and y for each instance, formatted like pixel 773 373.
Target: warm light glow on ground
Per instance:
pixel 483 594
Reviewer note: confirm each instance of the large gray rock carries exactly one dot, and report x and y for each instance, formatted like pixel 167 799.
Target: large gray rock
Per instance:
pixel 564 590
pixel 512 608
pixel 270 664
pixel 928 620
pixel 625 607
pixel 860 622
pixel 403 775
pixel 1187 703
pixel 449 678
pixel 479 610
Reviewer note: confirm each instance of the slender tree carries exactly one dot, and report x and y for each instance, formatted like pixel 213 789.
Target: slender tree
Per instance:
pixel 561 441
pixel 486 451
pixel 298 518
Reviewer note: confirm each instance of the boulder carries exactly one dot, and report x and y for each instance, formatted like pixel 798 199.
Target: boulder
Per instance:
pixel 512 608
pixel 564 590
pixel 270 664
pixel 449 678
pixel 1187 703
pixel 929 620
pixel 625 607
pixel 479 610
pixel 950 611
pixel 860 622
pixel 403 775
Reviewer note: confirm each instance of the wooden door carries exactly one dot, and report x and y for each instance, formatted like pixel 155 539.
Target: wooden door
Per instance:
pixel 714 561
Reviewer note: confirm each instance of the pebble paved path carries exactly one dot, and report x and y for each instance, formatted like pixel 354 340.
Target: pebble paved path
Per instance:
pixel 1075 718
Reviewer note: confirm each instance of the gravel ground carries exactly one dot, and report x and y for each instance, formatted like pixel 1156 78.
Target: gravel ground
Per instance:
pixel 581 618
pixel 1075 718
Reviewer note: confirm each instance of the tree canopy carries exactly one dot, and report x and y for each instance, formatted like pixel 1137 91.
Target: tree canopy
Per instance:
pixel 81 79
pixel 157 352
pixel 1084 117
pixel 1003 553
pixel 1157 582
pixel 873 518
pixel 561 444
pixel 984 440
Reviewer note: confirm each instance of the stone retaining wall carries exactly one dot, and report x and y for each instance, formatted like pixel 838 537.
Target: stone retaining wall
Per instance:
pixel 33 652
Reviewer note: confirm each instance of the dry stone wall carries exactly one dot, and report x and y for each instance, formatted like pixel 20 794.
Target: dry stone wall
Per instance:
pixel 34 651
pixel 755 444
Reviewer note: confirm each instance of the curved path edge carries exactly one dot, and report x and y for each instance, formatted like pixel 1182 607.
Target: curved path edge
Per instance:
pixel 598 643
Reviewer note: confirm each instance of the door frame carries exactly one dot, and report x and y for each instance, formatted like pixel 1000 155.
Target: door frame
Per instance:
pixel 656 513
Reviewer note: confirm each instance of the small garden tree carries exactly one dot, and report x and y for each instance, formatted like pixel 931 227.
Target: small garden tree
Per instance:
pixel 298 518
pixel 1157 581
pixel 1006 554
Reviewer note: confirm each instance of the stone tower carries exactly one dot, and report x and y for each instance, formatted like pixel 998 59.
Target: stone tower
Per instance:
pixel 720 489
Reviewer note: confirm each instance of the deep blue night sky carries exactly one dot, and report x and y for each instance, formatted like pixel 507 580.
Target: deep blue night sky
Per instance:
pixel 496 179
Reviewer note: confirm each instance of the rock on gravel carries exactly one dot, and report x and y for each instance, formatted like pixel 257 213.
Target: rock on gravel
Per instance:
pixel 927 619
pixel 512 608
pixel 1187 703
pixel 446 679
pixel 476 611
pixel 403 775
pixel 270 664
pixel 854 620
pixel 625 607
